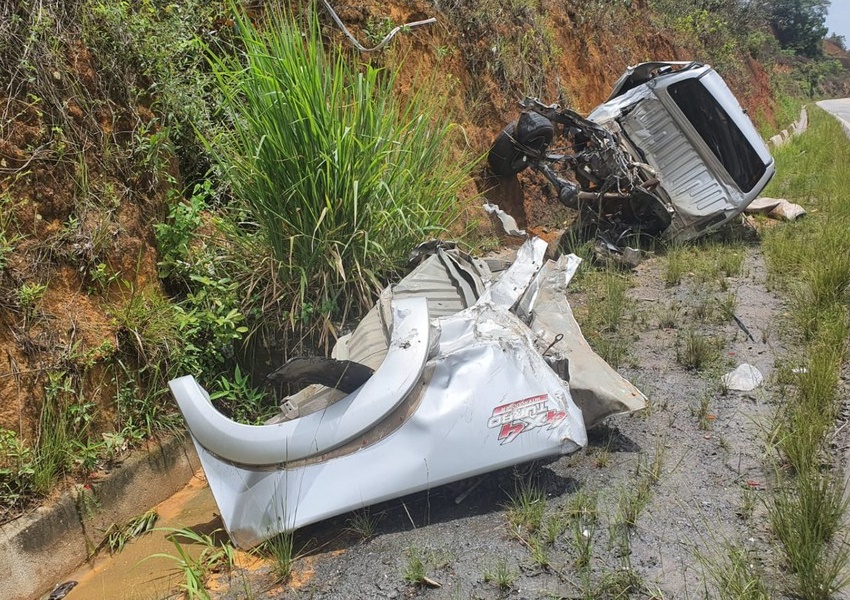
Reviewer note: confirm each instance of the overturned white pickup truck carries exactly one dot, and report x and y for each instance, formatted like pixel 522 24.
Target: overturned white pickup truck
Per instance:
pixel 460 369
pixel 671 153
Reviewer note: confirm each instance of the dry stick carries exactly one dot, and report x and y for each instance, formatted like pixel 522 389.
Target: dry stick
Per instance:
pixel 387 37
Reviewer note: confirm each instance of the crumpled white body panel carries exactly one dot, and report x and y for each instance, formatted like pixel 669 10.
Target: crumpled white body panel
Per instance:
pixel 489 401
pixel 452 397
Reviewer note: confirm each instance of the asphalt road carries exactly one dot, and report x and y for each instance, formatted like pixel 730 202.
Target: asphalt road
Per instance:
pixel 840 109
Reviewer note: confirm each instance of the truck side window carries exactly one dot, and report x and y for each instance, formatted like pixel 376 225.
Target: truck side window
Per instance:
pixel 719 132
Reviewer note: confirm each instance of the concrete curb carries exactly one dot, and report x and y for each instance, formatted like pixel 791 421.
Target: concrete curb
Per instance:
pixel 40 548
pixel 795 129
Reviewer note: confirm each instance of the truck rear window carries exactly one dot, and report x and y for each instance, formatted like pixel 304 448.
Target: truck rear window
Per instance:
pixel 719 132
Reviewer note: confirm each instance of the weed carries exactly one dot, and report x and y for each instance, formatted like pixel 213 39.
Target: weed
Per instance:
pixel 29 295
pixel 620 583
pixel 631 502
pixel 539 552
pixel 195 569
pixel 342 213
pixel 583 506
pixel 501 575
pixel 677 265
pixel 281 550
pixel 363 524
pixel 553 528
pixel 601 458
pixel 55 435
pixel 17 470
pixel 695 351
pixel 702 412
pixel 805 514
pixel 525 508
pixel 377 29
pixel 414 570
pixel 602 325
pixel 726 306
pixel 241 400
pixel 738 574
pixel 117 536
pixel 702 310
pixel 651 471
pixel 583 534
pixel 748 503
pixel 729 262
pixel 668 317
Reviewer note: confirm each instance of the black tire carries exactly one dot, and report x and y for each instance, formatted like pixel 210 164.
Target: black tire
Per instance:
pixel 518 142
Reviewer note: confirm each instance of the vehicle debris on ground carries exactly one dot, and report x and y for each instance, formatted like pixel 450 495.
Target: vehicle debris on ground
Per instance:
pixel 464 367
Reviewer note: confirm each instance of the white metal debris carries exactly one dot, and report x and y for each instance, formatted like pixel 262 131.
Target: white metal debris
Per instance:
pixel 482 386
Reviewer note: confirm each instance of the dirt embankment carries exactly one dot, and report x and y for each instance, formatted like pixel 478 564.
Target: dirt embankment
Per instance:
pixel 85 171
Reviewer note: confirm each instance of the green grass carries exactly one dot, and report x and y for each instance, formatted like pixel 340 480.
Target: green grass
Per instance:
pixel 737 574
pixel 340 176
pixel 363 523
pixel 281 550
pixel 195 569
pixel 808 260
pixel 117 536
pixel 695 351
pixel 415 568
pixel 525 508
pixel 602 319
pixel 501 575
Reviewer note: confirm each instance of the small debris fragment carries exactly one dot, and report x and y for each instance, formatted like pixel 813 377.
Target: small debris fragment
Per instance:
pixel 743 379
pixel 62 590
pixel 431 583
pixel 509 224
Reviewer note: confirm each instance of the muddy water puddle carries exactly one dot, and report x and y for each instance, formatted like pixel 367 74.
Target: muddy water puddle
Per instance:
pixel 135 573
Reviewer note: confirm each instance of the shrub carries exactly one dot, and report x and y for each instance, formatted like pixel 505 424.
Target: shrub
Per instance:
pixel 341 176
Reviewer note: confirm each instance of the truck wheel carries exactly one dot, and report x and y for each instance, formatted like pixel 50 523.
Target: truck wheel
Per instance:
pixel 520 142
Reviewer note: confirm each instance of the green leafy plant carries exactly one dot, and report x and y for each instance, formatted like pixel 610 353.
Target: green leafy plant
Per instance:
pixel 117 536
pixel 195 569
pixel 241 399
pixel 17 470
pixel 29 294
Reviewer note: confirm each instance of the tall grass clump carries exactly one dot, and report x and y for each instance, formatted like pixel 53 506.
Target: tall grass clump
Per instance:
pixel 811 261
pixel 341 176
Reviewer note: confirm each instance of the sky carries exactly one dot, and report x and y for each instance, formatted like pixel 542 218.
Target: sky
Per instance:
pixel 838 18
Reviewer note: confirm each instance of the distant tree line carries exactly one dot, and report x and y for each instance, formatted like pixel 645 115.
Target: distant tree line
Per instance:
pixel 799 25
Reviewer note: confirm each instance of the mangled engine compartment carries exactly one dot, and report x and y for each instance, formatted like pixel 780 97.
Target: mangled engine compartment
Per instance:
pixel 669 154
pixel 461 368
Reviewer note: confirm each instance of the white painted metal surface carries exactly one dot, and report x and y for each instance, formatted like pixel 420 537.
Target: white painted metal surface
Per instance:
pixel 461 395
pixel 263 445
pixel 488 400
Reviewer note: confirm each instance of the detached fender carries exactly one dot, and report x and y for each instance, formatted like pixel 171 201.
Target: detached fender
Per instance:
pixel 319 432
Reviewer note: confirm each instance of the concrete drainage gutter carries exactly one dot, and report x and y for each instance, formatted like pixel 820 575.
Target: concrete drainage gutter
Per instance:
pixel 40 548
